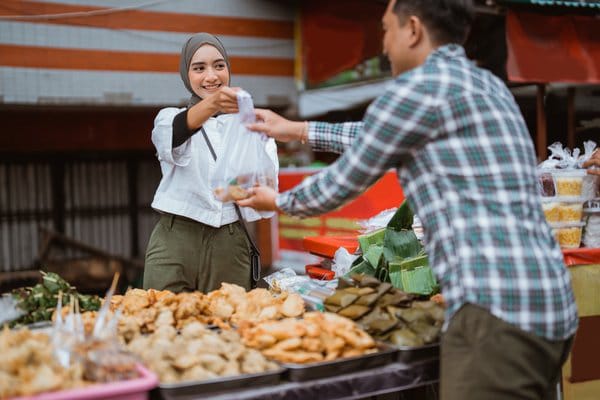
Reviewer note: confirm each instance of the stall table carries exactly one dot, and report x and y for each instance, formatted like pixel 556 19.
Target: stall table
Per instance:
pixel 326 246
pixel 395 377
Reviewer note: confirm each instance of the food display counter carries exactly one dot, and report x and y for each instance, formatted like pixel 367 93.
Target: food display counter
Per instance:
pixel 391 378
pixel 581 373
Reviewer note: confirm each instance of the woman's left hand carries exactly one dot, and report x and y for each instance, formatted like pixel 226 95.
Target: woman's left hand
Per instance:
pixel 262 198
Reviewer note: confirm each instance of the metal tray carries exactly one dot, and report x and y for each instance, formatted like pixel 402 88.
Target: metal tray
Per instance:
pixel 408 354
pixel 174 390
pixel 324 369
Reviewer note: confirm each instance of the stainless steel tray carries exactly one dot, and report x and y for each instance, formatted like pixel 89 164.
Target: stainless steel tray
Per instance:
pixel 174 390
pixel 324 369
pixel 408 354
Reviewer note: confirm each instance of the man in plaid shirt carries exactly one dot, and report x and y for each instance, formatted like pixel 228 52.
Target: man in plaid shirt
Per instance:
pixel 466 163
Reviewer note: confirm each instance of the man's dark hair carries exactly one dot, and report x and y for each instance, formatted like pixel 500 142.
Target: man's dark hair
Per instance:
pixel 447 21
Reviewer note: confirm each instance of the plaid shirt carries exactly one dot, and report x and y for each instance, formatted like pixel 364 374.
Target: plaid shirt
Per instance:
pixel 466 163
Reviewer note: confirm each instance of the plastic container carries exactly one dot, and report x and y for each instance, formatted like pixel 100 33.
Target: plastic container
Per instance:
pixel 563 208
pixel 546 183
pixel 551 209
pixel 570 212
pixel 132 389
pixel 568 235
pixel 591 212
pixel 569 182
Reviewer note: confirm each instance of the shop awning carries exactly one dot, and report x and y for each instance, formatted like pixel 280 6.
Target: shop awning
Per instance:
pixel 321 101
pixel 556 3
pixel 547 48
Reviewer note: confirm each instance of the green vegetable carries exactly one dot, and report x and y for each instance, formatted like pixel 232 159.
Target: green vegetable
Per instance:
pixel 39 301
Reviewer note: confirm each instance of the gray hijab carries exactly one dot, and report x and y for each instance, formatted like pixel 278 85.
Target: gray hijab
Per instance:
pixel 187 52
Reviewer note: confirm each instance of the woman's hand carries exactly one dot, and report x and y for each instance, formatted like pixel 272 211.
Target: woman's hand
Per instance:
pixel 262 198
pixel 277 127
pixel 594 161
pixel 224 100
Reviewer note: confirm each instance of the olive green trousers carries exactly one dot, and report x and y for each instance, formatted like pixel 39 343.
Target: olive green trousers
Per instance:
pixel 484 357
pixel 185 255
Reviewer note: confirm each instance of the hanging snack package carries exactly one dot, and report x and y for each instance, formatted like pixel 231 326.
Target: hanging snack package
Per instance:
pixel 245 162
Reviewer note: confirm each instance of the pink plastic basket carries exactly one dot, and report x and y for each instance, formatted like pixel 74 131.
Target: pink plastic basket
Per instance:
pixel 132 389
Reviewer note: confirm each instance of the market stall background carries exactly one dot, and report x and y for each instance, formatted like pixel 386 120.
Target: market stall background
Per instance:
pixel 81 81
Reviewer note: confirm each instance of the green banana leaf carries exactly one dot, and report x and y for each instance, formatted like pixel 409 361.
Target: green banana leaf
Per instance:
pixel 402 219
pixel 398 245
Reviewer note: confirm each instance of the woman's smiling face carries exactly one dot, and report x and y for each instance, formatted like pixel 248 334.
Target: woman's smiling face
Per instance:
pixel 208 71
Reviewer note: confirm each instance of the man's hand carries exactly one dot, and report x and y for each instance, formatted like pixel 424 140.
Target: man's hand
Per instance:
pixel 277 127
pixel 262 198
pixel 594 161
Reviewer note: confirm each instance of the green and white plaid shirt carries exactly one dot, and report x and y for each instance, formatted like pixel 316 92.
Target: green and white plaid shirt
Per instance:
pixel 466 163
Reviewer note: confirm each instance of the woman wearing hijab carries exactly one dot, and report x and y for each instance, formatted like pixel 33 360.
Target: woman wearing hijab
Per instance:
pixel 199 242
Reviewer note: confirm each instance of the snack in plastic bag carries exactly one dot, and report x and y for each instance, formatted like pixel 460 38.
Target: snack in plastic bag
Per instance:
pixel 562 174
pixel 245 162
pixel 105 361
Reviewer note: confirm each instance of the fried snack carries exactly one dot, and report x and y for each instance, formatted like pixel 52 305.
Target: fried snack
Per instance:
pixel 198 354
pixel 146 311
pixel 232 303
pixel 28 365
pixel 238 193
pixel 316 337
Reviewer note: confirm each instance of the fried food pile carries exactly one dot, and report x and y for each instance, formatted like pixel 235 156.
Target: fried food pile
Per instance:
pixel 144 310
pixel 316 337
pixel 232 303
pixel 28 365
pixel 197 353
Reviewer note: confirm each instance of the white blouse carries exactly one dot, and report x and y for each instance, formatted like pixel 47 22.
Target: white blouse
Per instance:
pixel 188 169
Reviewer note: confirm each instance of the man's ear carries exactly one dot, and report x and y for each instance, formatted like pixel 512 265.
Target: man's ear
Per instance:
pixel 415 34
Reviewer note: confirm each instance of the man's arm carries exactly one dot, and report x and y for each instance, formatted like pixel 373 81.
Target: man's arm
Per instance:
pixel 399 122
pixel 334 138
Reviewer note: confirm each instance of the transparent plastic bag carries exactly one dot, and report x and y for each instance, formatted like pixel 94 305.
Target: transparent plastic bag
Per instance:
pixel 563 169
pixel 312 291
pixel 378 221
pixel 342 262
pixel 245 162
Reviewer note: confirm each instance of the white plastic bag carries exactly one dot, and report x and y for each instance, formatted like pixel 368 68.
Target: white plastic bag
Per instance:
pixel 378 221
pixel 245 161
pixel 342 262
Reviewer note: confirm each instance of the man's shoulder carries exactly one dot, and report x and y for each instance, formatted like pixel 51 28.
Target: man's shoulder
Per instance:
pixel 443 78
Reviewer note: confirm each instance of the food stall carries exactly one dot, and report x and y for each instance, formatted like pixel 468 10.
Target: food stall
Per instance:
pixel 227 344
